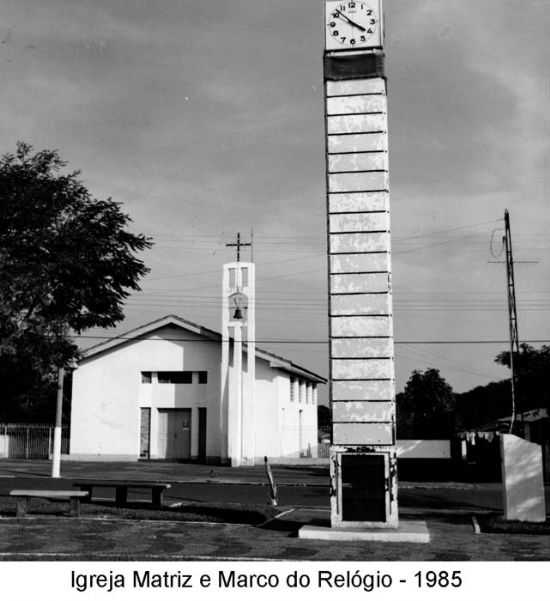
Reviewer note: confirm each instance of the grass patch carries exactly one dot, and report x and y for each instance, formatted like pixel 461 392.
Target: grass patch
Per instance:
pixel 498 525
pixel 188 512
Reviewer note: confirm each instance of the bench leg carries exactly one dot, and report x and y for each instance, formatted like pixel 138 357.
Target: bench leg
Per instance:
pixel 22 507
pixel 75 507
pixel 121 495
pixel 156 494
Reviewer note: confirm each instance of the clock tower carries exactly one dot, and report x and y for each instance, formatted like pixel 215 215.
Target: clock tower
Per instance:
pixel 362 387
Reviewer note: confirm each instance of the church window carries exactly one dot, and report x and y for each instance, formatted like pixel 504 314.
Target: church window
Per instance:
pixel 203 377
pixel 175 377
pixel 292 389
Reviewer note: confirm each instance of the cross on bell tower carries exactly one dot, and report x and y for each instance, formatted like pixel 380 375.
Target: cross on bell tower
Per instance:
pixel 238 244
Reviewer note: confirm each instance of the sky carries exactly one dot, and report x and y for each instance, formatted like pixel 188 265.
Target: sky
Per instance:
pixel 205 118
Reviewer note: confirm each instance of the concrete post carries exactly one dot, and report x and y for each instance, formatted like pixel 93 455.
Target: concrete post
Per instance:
pixel 56 462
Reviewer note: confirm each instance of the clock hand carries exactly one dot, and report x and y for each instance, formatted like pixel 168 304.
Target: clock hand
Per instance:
pixel 346 18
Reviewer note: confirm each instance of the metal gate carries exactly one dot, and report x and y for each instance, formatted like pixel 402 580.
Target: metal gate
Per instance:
pixel 30 441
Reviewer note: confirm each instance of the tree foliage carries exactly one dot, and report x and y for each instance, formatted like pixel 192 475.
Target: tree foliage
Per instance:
pixel 67 261
pixel 533 375
pixel 323 418
pixel 425 409
pixel 483 405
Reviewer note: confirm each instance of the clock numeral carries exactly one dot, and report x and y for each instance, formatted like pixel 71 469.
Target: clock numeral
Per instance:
pixel 335 32
pixel 352 41
pixel 369 30
pixel 369 12
pixel 343 39
pixel 342 7
pixel 373 21
pixel 351 4
pixel 362 39
pixel 335 15
pixel 332 24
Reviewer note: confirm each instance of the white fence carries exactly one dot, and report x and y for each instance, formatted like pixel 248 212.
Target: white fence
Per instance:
pixel 323 450
pixel 30 441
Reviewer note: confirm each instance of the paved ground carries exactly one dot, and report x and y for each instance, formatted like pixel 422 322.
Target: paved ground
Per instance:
pixel 447 508
pixel 164 471
pixel 64 538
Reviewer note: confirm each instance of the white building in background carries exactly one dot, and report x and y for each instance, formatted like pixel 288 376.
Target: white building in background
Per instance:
pixel 155 393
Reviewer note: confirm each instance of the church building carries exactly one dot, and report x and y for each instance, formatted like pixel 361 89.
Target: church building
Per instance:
pixel 172 389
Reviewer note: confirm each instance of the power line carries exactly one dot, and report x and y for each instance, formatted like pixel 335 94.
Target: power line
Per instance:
pixel 291 341
pixel 437 359
pixel 276 237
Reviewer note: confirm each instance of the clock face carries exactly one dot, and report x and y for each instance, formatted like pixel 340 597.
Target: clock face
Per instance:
pixel 353 24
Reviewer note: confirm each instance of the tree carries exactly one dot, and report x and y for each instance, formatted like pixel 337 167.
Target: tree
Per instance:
pixel 425 409
pixel 482 405
pixel 323 418
pixel 67 261
pixel 533 376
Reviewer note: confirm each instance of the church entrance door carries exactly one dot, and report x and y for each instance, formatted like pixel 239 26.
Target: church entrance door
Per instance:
pixel 174 431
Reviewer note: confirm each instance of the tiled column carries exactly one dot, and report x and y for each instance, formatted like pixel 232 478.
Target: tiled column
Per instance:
pixel 360 304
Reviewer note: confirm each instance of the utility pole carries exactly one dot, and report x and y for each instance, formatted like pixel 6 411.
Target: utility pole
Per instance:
pixel 56 457
pixel 512 317
pixel 517 408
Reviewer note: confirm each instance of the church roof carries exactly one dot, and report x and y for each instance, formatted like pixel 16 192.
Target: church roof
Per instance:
pixel 144 331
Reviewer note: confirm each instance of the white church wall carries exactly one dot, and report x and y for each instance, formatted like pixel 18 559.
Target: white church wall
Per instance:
pixel 297 417
pixel 108 394
pixel 267 442
pixel 292 428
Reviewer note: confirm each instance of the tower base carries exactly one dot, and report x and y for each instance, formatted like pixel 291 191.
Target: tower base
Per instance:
pixel 363 487
pixel 408 531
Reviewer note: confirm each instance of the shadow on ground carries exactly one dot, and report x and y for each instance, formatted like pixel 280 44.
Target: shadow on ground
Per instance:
pixel 223 513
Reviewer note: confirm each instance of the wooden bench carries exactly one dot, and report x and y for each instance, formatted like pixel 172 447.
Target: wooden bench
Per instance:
pixel 121 489
pixel 23 498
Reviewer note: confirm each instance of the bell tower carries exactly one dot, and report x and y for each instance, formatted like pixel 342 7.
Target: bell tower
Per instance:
pixel 238 361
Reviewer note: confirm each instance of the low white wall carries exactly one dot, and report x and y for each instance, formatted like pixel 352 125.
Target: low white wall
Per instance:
pixel 424 449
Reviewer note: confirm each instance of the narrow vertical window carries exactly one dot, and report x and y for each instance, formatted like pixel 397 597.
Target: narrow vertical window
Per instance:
pixel 145 433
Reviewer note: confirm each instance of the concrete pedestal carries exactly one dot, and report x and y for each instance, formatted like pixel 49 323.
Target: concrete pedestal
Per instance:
pixel 408 531
pixel 522 479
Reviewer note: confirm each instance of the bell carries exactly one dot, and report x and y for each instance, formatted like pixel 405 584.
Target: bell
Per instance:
pixel 238 313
